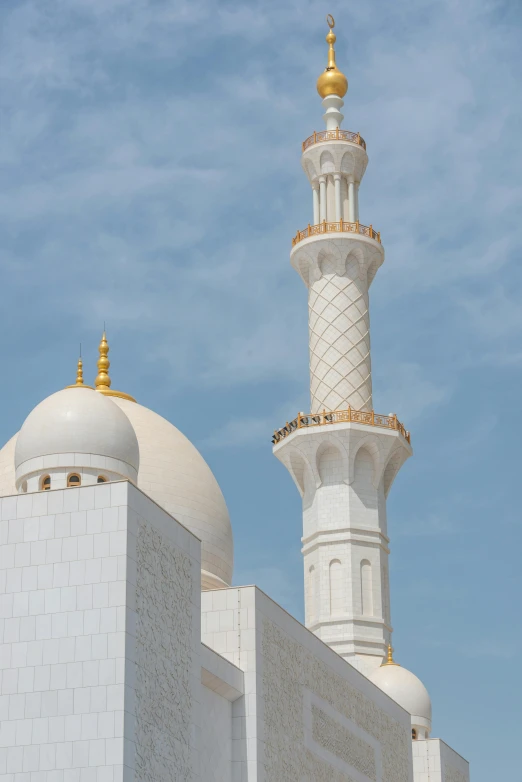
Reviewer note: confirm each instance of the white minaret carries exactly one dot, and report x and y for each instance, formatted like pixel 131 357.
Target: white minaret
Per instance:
pixel 342 456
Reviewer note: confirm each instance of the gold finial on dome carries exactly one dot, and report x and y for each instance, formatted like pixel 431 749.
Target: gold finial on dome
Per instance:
pixel 79 374
pixel 332 81
pixel 390 660
pixel 103 381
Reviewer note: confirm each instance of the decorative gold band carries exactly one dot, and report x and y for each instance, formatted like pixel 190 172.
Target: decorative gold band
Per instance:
pixel 370 418
pixel 334 135
pixel 341 226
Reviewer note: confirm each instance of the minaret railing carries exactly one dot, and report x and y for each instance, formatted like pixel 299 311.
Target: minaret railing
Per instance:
pixel 334 135
pixel 341 226
pixel 370 418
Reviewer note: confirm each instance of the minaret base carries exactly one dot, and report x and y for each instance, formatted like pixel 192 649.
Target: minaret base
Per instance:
pixel 344 471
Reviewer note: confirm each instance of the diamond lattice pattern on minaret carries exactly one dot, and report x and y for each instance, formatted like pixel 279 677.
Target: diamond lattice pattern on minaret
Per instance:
pixel 339 322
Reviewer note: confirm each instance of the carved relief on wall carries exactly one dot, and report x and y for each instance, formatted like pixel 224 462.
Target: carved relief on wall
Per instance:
pixel 163 660
pixel 289 671
pixel 342 743
pixel 454 775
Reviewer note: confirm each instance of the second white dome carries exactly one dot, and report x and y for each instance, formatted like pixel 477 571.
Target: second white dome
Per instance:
pixel 407 690
pixel 77 421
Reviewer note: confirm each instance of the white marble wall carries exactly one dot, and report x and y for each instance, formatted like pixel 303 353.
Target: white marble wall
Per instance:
pixel 216 734
pixel 306 713
pixel 96 583
pixel 222 742
pixel 435 761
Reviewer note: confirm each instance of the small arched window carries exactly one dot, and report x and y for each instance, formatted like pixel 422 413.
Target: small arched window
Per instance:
pixel 102 479
pixel 414 734
pixel 73 480
pixel 46 483
pixel 24 487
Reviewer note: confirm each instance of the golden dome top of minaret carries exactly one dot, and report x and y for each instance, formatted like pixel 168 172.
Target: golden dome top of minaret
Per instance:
pixel 332 81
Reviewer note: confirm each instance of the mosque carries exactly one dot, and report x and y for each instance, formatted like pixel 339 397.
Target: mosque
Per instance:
pixel 126 652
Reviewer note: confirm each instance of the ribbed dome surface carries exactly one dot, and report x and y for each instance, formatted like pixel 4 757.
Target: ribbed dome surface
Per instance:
pixel 175 475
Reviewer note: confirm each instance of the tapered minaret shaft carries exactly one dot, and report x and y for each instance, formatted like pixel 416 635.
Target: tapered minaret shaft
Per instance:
pixel 342 456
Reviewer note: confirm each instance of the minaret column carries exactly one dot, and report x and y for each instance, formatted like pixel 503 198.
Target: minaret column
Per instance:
pixel 315 196
pixel 356 201
pixel 342 456
pixel 338 203
pixel 339 325
pixel 322 198
pixel 351 200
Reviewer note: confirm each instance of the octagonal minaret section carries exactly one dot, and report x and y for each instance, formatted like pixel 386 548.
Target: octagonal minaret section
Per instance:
pixel 342 456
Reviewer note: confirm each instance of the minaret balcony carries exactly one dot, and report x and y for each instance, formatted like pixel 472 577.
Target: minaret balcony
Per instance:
pixel 334 135
pixel 341 226
pixel 367 418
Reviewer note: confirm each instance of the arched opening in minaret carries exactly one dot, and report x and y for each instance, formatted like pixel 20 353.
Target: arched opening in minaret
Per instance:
pixel 363 479
pixel 366 588
pixel 311 588
pixel 336 588
pixel 330 465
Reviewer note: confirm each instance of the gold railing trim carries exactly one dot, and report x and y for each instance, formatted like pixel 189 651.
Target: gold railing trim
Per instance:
pixel 368 418
pixel 339 226
pixel 333 135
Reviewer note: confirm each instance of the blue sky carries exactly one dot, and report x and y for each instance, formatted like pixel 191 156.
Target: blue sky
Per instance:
pixel 150 177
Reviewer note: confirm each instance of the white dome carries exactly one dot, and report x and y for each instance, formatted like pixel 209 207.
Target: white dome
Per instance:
pixel 171 471
pixel 77 421
pixel 174 474
pixel 406 689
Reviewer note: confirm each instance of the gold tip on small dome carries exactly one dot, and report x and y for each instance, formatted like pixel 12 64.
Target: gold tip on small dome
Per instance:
pixel 390 660
pixel 332 81
pixel 79 376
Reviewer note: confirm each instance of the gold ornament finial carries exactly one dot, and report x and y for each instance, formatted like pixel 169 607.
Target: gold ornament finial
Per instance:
pixel 79 374
pixel 103 381
pixel 332 81
pixel 389 659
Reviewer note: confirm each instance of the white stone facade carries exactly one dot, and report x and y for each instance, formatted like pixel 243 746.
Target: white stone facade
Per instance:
pixel 104 676
pixel 434 761
pixel 306 713
pixel 100 621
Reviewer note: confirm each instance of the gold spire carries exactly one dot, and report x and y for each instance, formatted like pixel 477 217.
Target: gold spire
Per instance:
pixel 103 381
pixel 332 81
pixel 390 660
pixel 79 375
